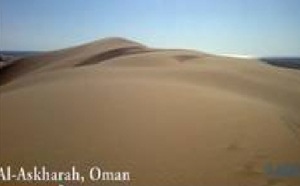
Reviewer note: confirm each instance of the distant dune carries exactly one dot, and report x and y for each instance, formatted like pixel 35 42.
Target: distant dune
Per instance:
pixel 169 117
pixel 291 62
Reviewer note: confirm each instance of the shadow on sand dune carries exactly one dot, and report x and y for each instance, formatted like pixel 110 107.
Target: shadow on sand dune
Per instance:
pixel 121 52
pixel 114 53
pixel 183 58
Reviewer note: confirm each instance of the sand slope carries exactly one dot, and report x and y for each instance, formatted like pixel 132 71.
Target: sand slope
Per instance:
pixel 170 117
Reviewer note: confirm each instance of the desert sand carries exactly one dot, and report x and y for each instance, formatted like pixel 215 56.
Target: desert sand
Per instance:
pixel 169 117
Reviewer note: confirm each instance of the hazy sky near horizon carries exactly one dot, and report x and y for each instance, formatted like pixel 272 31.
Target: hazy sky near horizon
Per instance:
pixel 245 27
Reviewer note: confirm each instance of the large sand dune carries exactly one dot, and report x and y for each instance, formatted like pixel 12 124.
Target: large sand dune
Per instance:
pixel 170 117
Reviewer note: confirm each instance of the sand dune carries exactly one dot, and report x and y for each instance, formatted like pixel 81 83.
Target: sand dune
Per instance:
pixel 170 117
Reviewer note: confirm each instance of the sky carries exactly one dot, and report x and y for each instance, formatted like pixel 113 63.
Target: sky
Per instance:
pixel 243 27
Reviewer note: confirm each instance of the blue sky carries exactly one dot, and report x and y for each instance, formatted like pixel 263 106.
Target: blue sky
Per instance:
pixel 245 27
